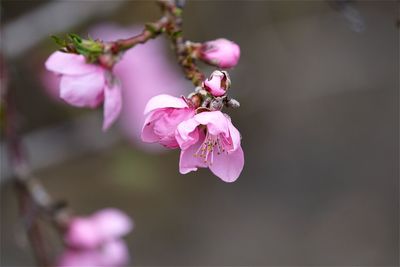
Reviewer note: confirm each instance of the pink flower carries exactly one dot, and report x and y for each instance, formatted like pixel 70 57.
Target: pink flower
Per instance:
pixel 164 113
pixel 103 226
pixel 221 52
pixel 86 85
pixel 210 140
pixel 218 83
pixel 111 254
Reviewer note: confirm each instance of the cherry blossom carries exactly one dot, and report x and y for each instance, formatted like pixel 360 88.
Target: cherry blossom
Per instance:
pixel 209 139
pixel 86 85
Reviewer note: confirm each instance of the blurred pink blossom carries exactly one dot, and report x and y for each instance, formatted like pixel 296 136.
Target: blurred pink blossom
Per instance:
pixel 86 85
pixel 96 240
pixel 220 52
pixel 101 227
pixel 217 146
pixel 163 114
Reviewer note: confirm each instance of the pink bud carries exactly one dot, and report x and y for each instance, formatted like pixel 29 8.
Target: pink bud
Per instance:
pixel 220 52
pixel 218 83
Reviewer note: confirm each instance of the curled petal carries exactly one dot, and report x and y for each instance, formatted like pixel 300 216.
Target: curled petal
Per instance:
pixel 112 105
pixel 228 166
pixel 83 90
pixel 164 101
pixel 69 64
pixel 187 133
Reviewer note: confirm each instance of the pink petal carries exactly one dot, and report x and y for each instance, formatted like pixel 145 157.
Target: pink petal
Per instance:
pixel 216 122
pixel 188 161
pixel 82 233
pixel 228 166
pixel 112 105
pixel 69 64
pixel 111 223
pixel 186 133
pixel 164 101
pixel 84 90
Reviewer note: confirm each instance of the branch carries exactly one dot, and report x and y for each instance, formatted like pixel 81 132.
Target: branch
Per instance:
pixel 171 24
pixel 183 50
pixel 151 30
pixel 33 197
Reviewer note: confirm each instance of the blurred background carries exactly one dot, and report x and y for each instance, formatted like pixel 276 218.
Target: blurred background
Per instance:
pixel 318 85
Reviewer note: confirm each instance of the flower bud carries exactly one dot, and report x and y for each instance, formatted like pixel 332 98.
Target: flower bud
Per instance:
pixel 218 83
pixel 220 52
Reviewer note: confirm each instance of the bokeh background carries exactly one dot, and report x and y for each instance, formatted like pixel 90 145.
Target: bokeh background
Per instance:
pixel 318 83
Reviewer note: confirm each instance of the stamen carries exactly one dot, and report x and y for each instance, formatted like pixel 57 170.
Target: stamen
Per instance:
pixel 211 144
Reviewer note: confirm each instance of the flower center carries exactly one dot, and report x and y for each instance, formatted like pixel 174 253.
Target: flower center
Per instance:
pixel 211 144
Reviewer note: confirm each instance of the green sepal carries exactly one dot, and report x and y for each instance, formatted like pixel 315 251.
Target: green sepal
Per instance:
pixel 61 42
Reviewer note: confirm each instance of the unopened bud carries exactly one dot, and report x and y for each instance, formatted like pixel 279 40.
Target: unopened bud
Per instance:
pixel 218 83
pixel 221 52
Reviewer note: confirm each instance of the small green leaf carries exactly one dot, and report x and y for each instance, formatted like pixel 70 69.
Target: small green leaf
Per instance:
pixel 75 38
pixel 61 42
